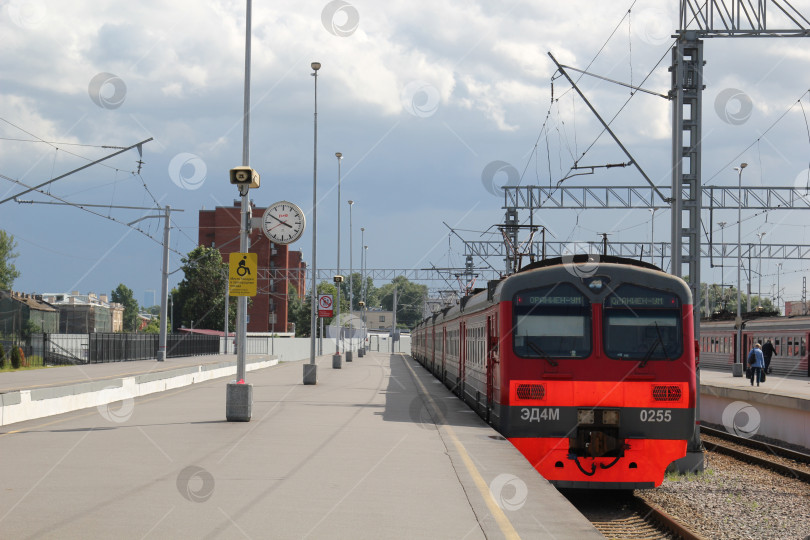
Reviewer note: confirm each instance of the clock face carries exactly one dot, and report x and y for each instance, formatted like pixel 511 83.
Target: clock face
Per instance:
pixel 283 222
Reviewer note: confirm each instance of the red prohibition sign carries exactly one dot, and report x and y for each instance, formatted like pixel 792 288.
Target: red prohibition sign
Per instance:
pixel 325 302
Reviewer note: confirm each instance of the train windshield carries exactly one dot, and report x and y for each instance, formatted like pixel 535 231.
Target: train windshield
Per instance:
pixel 642 324
pixel 552 322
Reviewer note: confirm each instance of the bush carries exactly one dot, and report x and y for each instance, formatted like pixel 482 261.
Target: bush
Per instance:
pixel 16 357
pixel 2 356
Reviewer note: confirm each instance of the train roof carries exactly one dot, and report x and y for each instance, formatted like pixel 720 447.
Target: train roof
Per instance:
pixel 788 323
pixel 584 268
pixel 588 258
pixel 577 268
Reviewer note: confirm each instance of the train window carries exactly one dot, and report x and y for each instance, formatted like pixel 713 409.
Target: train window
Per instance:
pixel 803 350
pixel 552 322
pixel 642 323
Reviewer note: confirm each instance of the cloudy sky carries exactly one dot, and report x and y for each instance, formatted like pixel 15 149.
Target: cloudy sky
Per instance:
pixel 434 105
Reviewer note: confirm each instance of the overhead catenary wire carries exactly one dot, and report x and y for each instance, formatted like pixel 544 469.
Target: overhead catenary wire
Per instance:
pixel 734 160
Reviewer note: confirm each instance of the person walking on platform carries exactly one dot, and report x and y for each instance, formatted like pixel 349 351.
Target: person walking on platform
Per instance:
pixel 756 361
pixel 768 350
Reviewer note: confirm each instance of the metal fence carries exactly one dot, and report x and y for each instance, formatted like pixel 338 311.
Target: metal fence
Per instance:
pixel 96 348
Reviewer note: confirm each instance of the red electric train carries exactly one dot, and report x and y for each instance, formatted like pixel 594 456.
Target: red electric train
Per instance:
pixel 587 367
pixel 789 336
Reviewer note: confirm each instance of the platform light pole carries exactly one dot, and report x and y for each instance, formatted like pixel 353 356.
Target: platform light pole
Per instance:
pixel 365 295
pixel 759 283
pixel 362 288
pixel 722 265
pixel 311 369
pixel 739 238
pixel 778 286
pixel 338 278
pixel 351 285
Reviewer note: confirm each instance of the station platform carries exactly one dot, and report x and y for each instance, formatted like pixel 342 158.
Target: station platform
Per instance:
pixel 378 449
pixel 778 409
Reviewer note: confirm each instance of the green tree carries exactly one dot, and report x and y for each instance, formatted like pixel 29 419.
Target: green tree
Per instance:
pixel 2 356
pixel 153 327
pixel 8 272
pixel 357 288
pixel 724 299
pixel 410 300
pixel 124 296
pixel 200 297
pixel 300 312
pixel 16 357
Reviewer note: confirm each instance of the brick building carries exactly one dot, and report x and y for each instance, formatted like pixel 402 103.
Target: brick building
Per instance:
pixel 279 267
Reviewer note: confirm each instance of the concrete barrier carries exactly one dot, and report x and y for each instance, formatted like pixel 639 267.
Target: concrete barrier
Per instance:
pixel 22 405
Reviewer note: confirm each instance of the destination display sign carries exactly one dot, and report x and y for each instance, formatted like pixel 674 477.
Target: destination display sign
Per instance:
pixel 641 298
pixel 534 299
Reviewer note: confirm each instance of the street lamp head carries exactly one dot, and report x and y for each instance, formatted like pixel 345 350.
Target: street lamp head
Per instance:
pixel 338 155
pixel 316 66
pixel 351 202
pixel 362 229
pixel 743 165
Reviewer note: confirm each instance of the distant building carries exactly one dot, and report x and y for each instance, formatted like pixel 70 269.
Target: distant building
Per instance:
pixel 18 309
pixel 278 266
pixel 86 313
pixel 796 309
pixel 376 319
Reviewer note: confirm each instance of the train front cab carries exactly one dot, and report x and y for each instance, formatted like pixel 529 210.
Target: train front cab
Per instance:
pixel 599 375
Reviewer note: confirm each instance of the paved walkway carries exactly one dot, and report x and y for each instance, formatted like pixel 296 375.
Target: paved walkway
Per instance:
pixel 377 450
pixel 795 387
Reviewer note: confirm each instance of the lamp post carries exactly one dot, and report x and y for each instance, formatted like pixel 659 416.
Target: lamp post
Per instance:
pixel 338 277
pixel 311 369
pixel 778 286
pixel 365 294
pixel 759 284
pixel 351 284
pixel 739 237
pixel 722 262
pixel 362 285
pixel 738 321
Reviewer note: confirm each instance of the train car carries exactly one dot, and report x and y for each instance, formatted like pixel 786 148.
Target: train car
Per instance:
pixel 588 369
pixel 789 336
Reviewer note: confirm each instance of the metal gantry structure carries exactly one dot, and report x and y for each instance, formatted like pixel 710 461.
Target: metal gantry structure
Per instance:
pixel 642 250
pixel 686 198
pixel 698 20
pixel 379 274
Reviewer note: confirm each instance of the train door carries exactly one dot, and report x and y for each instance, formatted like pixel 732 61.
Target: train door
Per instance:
pixel 804 355
pixel 440 364
pixel 462 358
pixel 432 358
pixel 491 361
pixel 442 375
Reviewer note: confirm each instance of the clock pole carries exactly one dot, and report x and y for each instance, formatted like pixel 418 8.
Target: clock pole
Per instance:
pixel 239 396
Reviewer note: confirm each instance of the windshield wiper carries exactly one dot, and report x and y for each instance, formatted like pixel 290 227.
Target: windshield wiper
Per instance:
pixel 542 353
pixel 659 341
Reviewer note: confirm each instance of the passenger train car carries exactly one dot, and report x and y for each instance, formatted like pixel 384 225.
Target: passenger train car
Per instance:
pixel 788 335
pixel 588 369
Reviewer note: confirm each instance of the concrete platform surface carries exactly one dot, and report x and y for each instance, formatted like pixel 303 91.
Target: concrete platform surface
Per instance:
pixel 377 450
pixel 794 387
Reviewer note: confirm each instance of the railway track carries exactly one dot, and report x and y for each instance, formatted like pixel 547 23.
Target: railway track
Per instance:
pixel 623 515
pixel 782 460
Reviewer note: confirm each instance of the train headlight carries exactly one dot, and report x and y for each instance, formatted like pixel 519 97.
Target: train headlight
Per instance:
pixel 585 416
pixel 610 417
